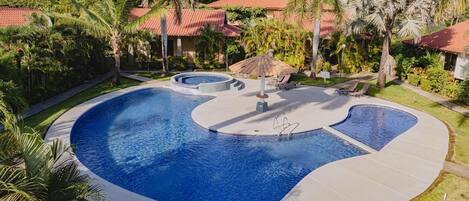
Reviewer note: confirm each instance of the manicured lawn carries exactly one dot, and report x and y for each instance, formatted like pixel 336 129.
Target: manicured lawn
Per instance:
pixel 44 119
pixel 456 189
pixel 156 76
pixel 300 78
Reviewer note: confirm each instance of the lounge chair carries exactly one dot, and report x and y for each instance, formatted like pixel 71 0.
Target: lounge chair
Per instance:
pixel 347 91
pixel 362 91
pixel 287 86
pixel 283 80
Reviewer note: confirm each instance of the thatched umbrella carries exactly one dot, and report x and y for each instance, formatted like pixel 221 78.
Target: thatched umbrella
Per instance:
pixel 262 66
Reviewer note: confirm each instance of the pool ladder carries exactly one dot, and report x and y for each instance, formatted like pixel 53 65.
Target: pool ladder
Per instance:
pixel 284 127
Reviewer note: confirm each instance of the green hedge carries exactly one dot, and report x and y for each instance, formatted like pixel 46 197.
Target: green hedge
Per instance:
pixel 178 63
pixel 425 85
pixel 413 79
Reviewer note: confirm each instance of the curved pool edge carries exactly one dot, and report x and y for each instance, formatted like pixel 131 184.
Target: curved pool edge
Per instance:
pixel 62 126
pixel 211 87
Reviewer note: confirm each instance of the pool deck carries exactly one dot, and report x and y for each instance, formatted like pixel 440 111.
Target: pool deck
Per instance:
pixel 403 169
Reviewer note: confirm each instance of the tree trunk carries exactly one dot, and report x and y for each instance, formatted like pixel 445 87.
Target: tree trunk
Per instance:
pixel 116 50
pixel 316 31
pixel 131 58
pixel 164 42
pixel 384 57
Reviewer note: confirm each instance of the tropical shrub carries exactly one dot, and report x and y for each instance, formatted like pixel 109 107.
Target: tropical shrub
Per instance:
pixel 13 96
pixel 31 169
pixel 208 45
pixel 236 14
pixel 359 54
pixel 234 50
pixel 437 78
pixel 413 79
pixel 463 95
pixel 452 90
pixel 404 65
pixel 288 42
pixel 425 84
pixel 178 63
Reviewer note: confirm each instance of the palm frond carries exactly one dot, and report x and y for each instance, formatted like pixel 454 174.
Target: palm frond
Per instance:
pixel 376 19
pixel 155 11
pixel 90 28
pixel 410 28
pixel 16 185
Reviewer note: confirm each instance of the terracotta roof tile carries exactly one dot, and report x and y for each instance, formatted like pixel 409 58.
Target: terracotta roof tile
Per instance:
pixel 268 4
pixel 192 21
pixel 453 39
pixel 15 16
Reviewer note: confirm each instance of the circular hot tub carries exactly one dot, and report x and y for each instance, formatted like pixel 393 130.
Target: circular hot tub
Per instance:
pixel 202 82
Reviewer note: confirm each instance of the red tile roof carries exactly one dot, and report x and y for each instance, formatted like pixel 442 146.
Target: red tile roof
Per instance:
pixel 267 4
pixel 327 22
pixel 192 21
pixel 452 39
pixel 15 16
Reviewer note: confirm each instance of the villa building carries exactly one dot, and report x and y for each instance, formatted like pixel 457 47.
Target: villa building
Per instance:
pixel 181 37
pixel 14 17
pixel 275 9
pixel 454 43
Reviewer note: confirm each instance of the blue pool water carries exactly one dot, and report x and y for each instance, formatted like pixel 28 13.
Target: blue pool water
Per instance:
pixel 197 79
pixel 375 125
pixel 146 142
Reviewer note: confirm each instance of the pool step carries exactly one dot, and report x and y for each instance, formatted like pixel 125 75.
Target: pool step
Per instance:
pixel 350 140
pixel 236 84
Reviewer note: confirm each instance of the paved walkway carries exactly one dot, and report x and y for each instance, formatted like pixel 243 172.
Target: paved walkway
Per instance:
pixel 136 77
pixel 438 99
pixel 39 107
pixel 457 169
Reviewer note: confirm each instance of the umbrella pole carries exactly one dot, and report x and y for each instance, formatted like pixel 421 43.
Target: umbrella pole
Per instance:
pixel 262 105
pixel 262 87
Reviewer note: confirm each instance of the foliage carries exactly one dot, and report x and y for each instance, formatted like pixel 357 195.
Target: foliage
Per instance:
pixel 463 95
pixel 234 50
pixel 437 78
pixel 413 79
pixel 404 65
pixel 425 84
pixel 13 96
pixel 52 59
pixel 31 169
pixel 140 46
pixel 360 54
pixel 208 45
pixel 243 15
pixel 109 19
pixel 388 17
pixel 179 63
pixel 287 41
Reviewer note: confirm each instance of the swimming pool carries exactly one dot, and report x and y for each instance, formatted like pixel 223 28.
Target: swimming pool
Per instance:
pixel 375 125
pixel 146 142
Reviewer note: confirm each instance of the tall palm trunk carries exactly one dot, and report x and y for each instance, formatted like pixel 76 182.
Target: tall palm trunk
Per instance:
pixel 316 31
pixel 164 42
pixel 116 50
pixel 383 64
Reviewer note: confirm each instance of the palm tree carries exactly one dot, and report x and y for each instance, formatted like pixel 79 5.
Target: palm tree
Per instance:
pixel 208 44
pixel 387 16
pixel 31 169
pixel 312 9
pixel 110 19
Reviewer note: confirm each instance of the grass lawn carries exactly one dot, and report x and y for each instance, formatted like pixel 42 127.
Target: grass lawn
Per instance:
pixel 301 78
pixel 44 119
pixel 156 76
pixel 456 187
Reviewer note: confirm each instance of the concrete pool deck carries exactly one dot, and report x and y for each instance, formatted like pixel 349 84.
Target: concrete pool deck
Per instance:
pixel 403 169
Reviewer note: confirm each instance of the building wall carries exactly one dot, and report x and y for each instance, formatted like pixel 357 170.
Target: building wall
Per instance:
pixel 461 70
